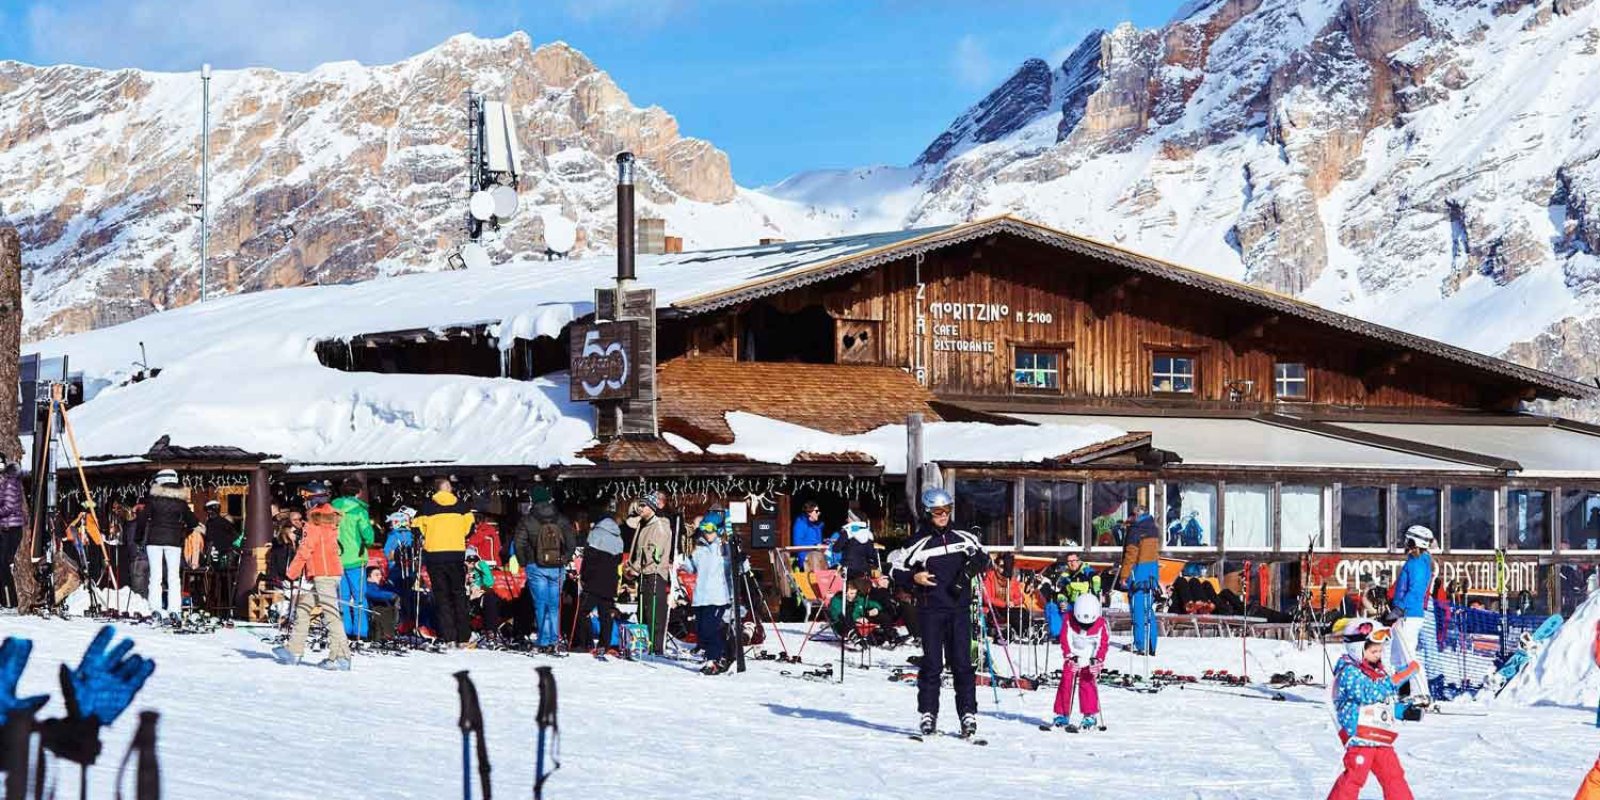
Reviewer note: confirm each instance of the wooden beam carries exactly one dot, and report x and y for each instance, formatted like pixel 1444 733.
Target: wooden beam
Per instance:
pixel 1254 329
pixel 1108 296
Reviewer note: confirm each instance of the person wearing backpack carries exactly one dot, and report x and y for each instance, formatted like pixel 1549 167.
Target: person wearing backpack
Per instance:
pixel 544 542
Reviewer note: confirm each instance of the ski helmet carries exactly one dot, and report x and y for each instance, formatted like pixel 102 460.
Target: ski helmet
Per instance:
pixel 934 497
pixel 1358 632
pixel 167 477
pixel 472 553
pixel 1420 536
pixel 858 530
pixel 1086 609
pixel 399 519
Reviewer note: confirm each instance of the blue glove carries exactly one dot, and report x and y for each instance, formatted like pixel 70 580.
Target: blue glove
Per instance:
pixel 13 658
pixel 105 681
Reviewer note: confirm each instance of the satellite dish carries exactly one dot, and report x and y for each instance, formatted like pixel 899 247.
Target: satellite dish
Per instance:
pixel 505 201
pixel 481 205
pixel 474 255
pixel 560 233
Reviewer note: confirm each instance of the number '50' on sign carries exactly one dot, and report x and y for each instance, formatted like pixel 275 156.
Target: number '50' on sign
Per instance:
pixel 602 361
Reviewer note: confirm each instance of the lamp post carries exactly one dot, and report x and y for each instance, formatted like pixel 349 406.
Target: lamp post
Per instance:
pixel 205 173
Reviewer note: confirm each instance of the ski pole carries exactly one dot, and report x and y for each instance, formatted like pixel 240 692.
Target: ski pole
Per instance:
pixel 1003 649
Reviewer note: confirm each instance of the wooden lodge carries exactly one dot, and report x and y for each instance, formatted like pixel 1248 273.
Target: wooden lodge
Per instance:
pixel 1252 425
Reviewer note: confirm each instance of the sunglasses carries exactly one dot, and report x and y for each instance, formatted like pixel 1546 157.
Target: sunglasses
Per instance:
pixel 939 511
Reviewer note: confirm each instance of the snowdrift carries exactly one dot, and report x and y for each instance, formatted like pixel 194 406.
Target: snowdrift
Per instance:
pixel 1564 672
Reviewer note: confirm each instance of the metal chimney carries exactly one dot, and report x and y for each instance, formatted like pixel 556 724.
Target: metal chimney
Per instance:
pixel 626 246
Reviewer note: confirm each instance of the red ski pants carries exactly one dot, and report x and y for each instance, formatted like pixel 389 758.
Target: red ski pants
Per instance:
pixel 1379 761
pixel 1088 692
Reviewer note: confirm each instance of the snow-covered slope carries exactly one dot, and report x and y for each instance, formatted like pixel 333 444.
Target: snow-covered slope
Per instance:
pixel 236 724
pixel 1428 164
pixel 1564 672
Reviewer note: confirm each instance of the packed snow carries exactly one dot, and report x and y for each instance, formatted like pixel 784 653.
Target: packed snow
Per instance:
pixel 1564 672
pixel 235 723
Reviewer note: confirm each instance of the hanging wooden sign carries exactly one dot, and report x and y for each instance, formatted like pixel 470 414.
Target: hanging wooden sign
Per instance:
pixel 605 361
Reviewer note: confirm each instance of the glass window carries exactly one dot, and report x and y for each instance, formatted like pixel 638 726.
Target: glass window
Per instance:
pixel 1289 382
pixel 1418 505
pixel 1578 581
pixel 1527 519
pixel 1471 519
pixel 1363 517
pixel 1248 525
pixel 1191 514
pixel 1172 373
pixel 983 507
pixel 1580 520
pixel 1110 505
pixel 1300 518
pixel 1054 512
pixel 1037 369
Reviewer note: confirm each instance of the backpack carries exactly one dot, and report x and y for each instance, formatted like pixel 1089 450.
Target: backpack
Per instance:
pixel 548 546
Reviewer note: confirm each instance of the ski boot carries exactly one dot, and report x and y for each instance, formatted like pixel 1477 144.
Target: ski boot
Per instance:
pixel 927 725
pixel 282 655
pixel 336 664
pixel 1062 721
pixel 969 725
pixel 1089 722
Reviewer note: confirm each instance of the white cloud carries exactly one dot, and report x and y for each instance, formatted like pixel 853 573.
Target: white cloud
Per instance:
pixel 285 34
pixel 974 69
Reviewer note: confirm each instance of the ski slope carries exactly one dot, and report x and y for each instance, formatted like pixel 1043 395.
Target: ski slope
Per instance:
pixel 236 724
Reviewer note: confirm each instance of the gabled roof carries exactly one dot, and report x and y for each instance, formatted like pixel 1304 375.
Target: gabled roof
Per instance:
pixel 869 252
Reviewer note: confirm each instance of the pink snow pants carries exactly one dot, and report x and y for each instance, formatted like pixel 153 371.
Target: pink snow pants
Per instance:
pixel 1379 761
pixel 1088 692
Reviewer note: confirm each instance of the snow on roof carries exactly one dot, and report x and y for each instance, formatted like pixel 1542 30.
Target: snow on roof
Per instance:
pixel 243 370
pixel 775 442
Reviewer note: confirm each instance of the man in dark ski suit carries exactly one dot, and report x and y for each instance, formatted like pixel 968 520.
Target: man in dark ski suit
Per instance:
pixel 938 568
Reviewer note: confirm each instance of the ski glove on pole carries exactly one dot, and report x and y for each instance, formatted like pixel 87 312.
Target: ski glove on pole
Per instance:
pixel 97 692
pixel 13 658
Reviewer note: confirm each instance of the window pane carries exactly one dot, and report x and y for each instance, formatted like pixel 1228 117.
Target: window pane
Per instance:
pixel 983 507
pixel 1110 506
pixel 1418 505
pixel 1528 520
pixel 1248 526
pixel 1300 517
pixel 1182 384
pixel 1578 581
pixel 1363 515
pixel 1191 514
pixel 1290 381
pixel 1184 366
pixel 1055 514
pixel 1580 520
pixel 1471 519
pixel 1163 365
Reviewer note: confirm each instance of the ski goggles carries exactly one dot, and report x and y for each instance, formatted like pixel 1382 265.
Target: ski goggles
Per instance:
pixel 1367 632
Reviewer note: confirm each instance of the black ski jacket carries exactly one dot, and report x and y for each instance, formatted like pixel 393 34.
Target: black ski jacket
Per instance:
pixel 167 517
pixel 953 558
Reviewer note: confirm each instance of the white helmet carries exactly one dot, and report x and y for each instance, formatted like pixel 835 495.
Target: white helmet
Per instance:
pixel 167 477
pixel 1358 632
pixel 1086 609
pixel 1420 536
pixel 858 531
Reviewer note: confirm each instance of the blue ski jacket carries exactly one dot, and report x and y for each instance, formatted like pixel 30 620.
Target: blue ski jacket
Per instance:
pixel 805 532
pixel 709 563
pixel 1411 587
pixel 1355 686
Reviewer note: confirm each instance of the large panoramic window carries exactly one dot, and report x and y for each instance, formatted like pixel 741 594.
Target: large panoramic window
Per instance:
pixel 984 508
pixel 1289 382
pixel 1036 369
pixel 1245 511
pixel 1171 372
pixel 1527 519
pixel 1300 519
pixel 1580 520
pixel 1418 505
pixel 1110 505
pixel 1471 519
pixel 1054 511
pixel 1191 514
pixel 1363 518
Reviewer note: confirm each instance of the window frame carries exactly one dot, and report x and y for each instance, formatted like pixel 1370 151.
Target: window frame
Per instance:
pixel 1386 503
pixel 1193 357
pixel 1304 380
pixel 1060 353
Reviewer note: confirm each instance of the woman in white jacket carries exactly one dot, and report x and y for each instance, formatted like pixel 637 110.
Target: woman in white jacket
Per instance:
pixel 712 595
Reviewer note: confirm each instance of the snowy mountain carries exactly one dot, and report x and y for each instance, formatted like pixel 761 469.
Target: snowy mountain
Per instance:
pixel 1428 164
pixel 332 175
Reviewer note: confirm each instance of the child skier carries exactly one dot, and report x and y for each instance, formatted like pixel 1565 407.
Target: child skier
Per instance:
pixel 1364 696
pixel 1084 640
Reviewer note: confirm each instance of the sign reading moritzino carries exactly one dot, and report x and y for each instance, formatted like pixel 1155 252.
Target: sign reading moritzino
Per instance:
pixel 603 361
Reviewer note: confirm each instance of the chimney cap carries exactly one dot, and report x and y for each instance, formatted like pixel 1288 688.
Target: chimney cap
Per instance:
pixel 625 168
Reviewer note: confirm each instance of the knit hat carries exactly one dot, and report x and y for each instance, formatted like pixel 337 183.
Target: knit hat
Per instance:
pixel 541 494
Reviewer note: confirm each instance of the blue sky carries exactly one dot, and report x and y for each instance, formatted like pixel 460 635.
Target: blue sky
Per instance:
pixel 781 85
